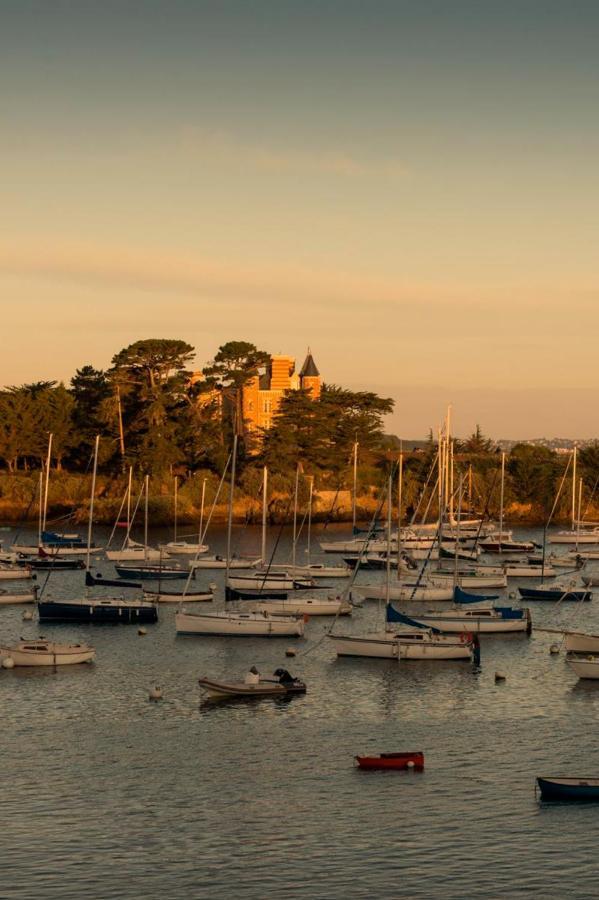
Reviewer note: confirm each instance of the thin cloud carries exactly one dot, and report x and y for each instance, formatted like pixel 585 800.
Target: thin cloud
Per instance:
pixel 223 147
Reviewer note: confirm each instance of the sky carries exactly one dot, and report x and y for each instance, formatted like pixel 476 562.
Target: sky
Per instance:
pixel 408 188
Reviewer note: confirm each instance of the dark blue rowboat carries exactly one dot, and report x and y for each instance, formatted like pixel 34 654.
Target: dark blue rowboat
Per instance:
pixel 569 789
pixel 555 594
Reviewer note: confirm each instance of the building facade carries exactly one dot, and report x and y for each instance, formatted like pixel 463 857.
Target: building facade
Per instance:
pixel 263 394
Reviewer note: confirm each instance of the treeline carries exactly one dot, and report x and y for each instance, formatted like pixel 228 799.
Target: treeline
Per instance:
pixel 153 415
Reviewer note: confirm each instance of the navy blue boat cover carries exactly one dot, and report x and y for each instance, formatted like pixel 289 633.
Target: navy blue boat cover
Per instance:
pixel 90 581
pixel 460 596
pixel 393 615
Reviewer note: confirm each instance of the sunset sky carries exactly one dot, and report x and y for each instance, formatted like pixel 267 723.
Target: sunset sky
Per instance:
pixel 409 188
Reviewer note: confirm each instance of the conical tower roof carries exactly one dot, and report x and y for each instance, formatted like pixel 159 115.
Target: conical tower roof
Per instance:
pixel 309 369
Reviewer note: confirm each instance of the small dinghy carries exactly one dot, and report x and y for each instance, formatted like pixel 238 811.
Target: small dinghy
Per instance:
pixel 572 790
pixel 41 652
pixel 397 761
pixel 281 683
pixel 10 597
pixel 579 642
pixel 555 593
pixel 163 596
pixel 585 668
pixel 11 572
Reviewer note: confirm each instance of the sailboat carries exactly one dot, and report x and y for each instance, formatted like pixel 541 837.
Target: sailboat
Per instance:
pixel 51 544
pixel 179 547
pixel 40 652
pixel 395 642
pixel 576 535
pixel 218 561
pixel 150 569
pixel 310 569
pixel 257 624
pixel 474 614
pixel 94 610
pixel 132 551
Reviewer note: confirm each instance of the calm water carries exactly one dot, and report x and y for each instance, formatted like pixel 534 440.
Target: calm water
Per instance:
pixel 106 795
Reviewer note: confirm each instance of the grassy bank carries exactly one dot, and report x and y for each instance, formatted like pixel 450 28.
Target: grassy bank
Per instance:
pixel 69 494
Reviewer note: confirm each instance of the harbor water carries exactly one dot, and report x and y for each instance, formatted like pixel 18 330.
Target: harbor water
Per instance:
pixel 108 795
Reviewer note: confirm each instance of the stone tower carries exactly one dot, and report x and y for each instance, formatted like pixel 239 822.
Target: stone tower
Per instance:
pixel 310 377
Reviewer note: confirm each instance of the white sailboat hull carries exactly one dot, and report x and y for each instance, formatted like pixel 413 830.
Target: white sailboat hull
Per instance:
pixel 135 554
pixel 315 570
pixel 585 668
pixel 238 624
pixel 265 583
pixel 54 551
pixel 217 562
pixel 389 646
pixel 576 642
pixel 9 598
pixel 404 592
pixel 182 548
pixel 529 571
pixel 303 607
pixel 469 581
pixel 458 624
pixel 18 573
pixel 46 653
pixel 572 537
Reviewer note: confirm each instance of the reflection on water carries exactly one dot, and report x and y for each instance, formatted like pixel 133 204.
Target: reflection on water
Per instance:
pixel 106 795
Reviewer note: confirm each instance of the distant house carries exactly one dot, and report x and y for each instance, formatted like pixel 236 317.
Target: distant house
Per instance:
pixel 263 394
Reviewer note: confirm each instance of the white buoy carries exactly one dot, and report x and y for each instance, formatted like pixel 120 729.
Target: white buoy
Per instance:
pixel 155 693
pixel 512 595
pixel 499 676
pixel 554 648
pixel 8 662
pixel 142 631
pixel 213 586
pixel 27 615
pixel 410 764
pixel 290 651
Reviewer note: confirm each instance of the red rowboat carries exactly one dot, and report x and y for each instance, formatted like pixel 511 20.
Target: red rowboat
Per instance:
pixel 393 761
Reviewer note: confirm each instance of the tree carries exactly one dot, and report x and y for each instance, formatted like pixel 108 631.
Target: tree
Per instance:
pixel 477 443
pixel 235 364
pixel 90 389
pixel 321 433
pixel 152 381
pixel 534 471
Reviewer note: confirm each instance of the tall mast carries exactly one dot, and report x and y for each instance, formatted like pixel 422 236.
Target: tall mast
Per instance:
pixel 399 512
pixel 230 518
pixel 297 473
pixel 176 499
pixel 440 468
pixel 91 503
pixel 501 498
pixel 389 512
pixel 579 508
pixel 201 536
pixel 147 492
pixel 355 487
pixel 264 509
pixel 129 489
pixel 457 536
pixel 121 430
pixel 310 516
pixel 41 509
pixel 48 460
pixel 574 487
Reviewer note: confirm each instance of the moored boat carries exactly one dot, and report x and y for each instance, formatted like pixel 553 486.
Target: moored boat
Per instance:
pixel 12 597
pixel 555 593
pixel 585 668
pixel 579 642
pixel 280 684
pixel 569 789
pixel 238 624
pixel 304 606
pixel 152 572
pixel 163 596
pixel 397 761
pixel 12 572
pixel 112 611
pixel 40 652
